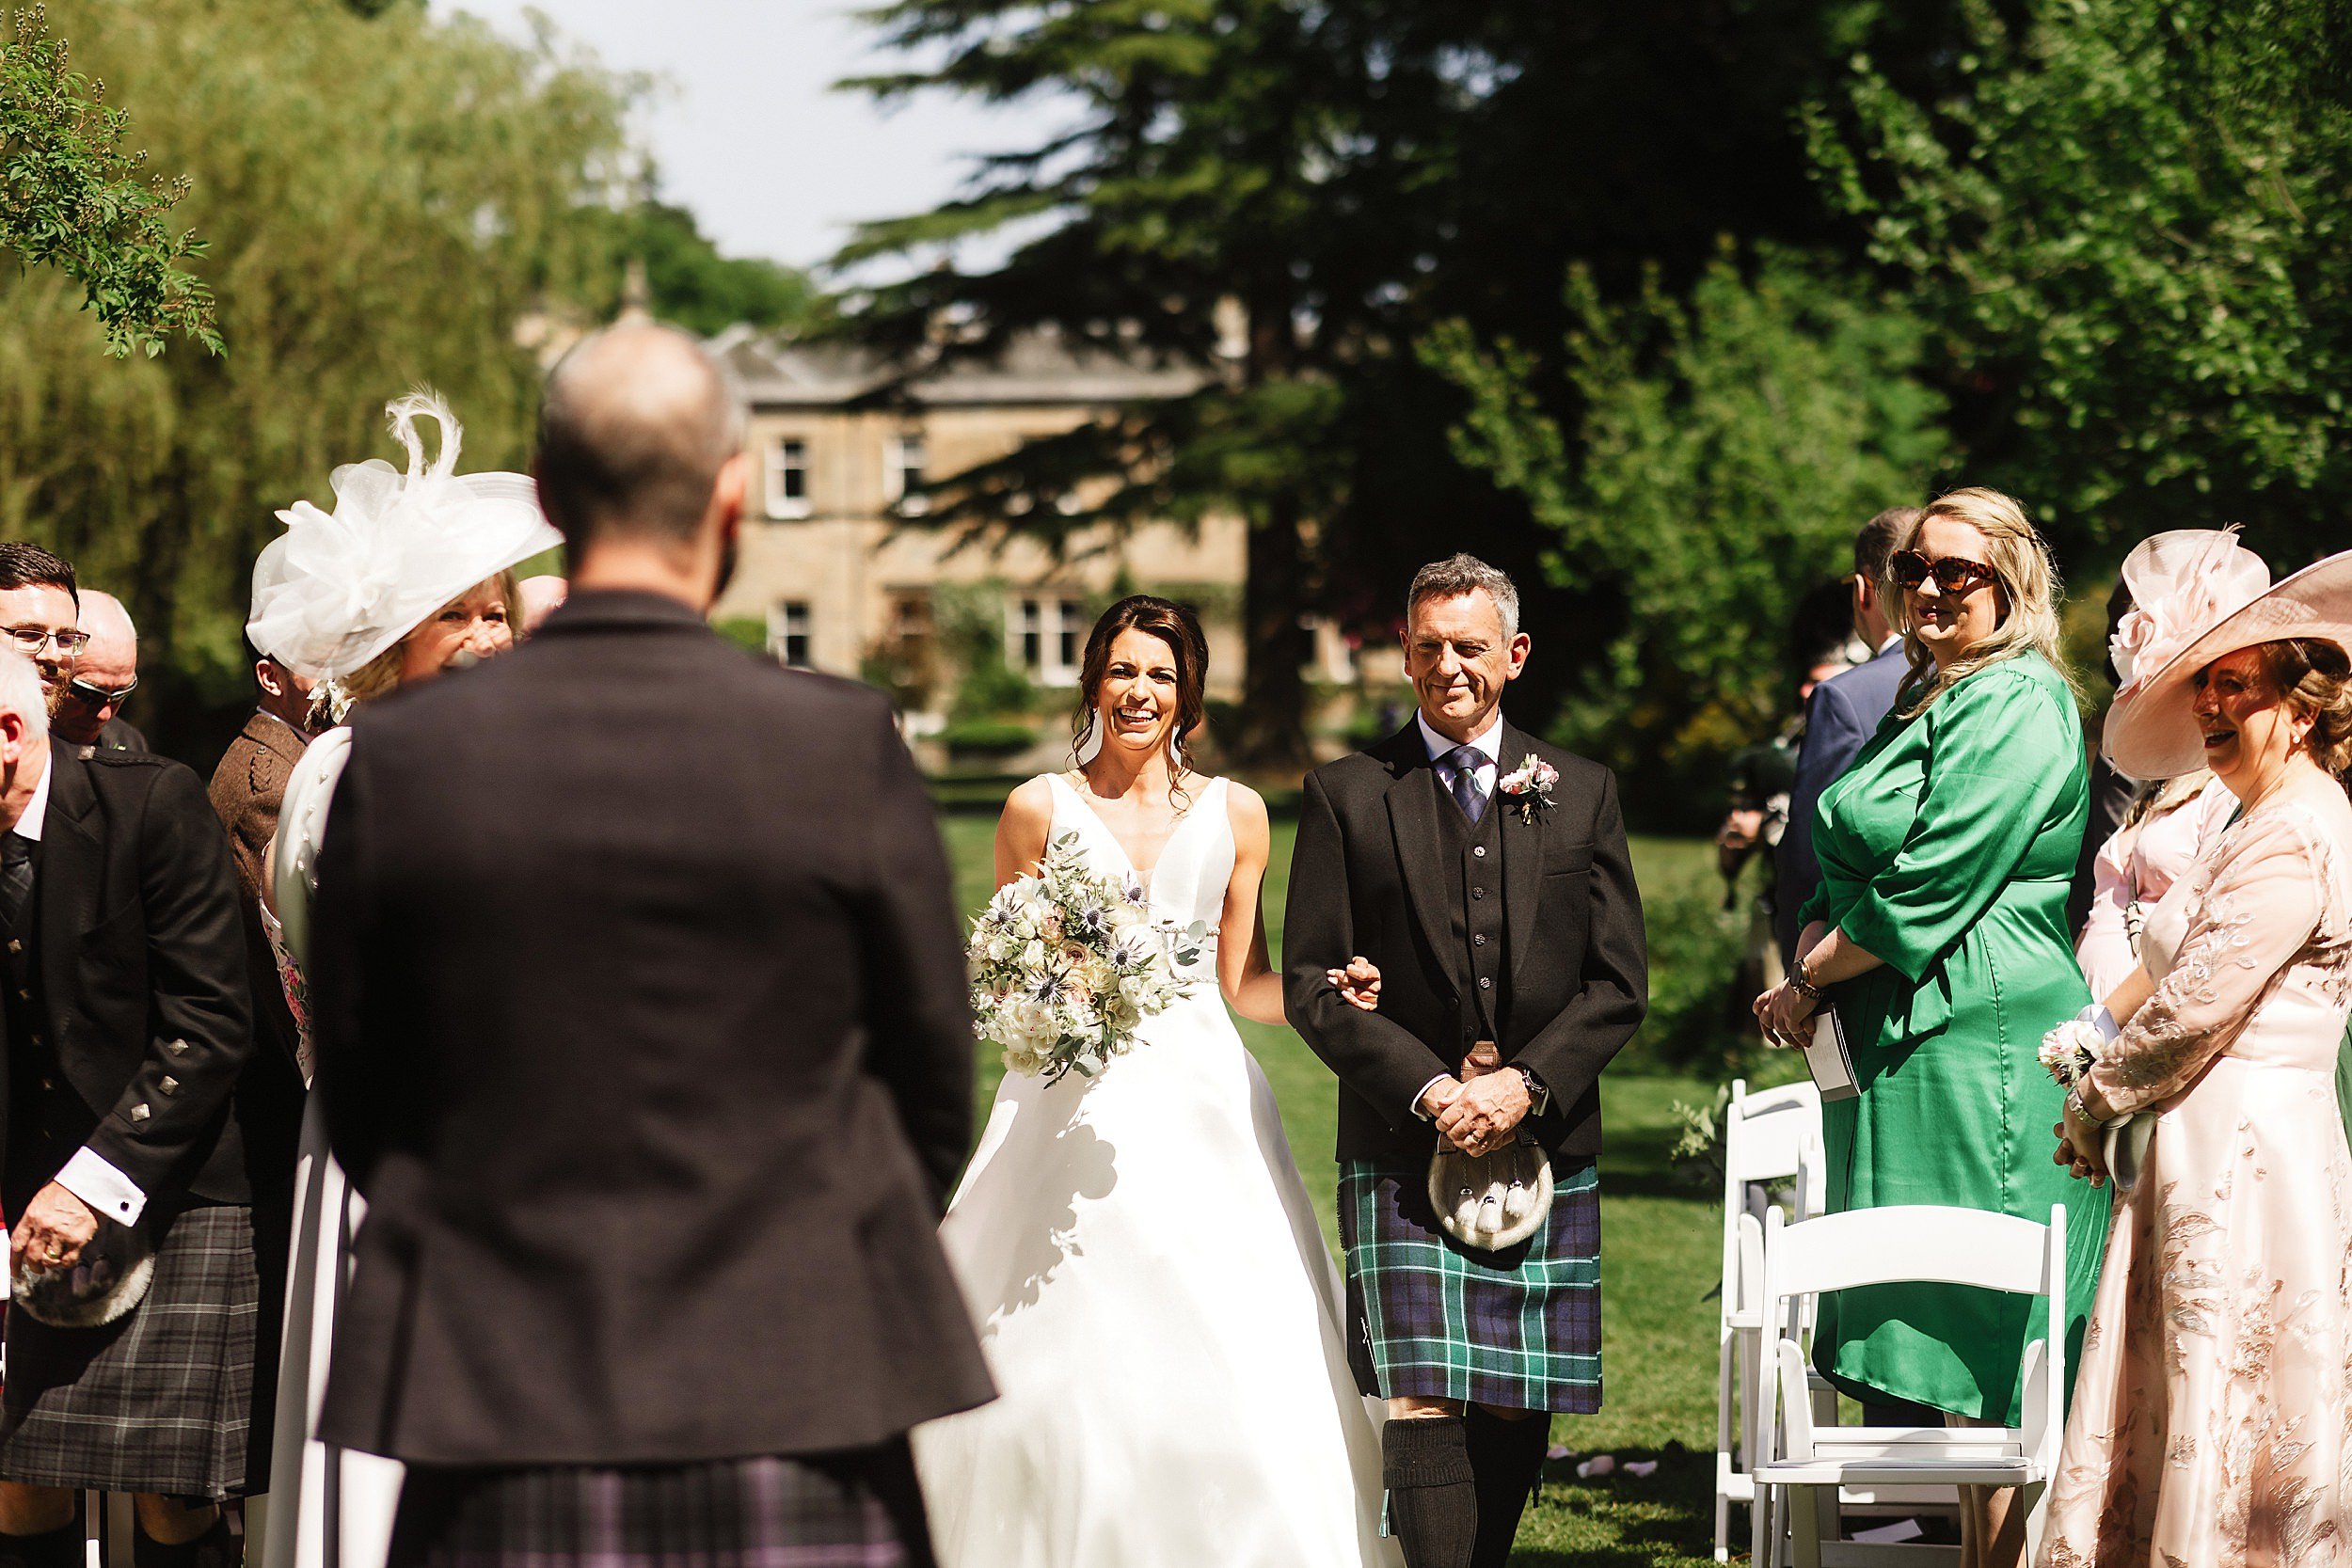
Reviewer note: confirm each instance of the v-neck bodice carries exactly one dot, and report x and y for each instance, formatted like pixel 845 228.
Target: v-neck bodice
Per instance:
pixel 1188 882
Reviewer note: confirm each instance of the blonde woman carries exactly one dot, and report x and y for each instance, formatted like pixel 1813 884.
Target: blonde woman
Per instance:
pixel 1940 935
pixel 411 575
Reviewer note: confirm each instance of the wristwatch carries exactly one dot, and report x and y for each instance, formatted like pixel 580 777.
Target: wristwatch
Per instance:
pixel 1800 979
pixel 1538 1097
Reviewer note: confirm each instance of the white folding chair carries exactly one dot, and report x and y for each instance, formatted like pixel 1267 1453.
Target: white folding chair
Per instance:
pixel 1771 1136
pixel 1799 1485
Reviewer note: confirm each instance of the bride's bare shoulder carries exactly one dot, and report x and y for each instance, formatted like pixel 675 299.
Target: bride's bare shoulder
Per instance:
pixel 1029 809
pixel 1245 810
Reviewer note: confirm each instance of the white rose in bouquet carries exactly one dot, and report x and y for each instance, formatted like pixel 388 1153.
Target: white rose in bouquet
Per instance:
pixel 1066 965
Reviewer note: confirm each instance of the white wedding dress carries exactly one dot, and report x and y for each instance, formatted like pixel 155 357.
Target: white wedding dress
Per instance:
pixel 1155 1299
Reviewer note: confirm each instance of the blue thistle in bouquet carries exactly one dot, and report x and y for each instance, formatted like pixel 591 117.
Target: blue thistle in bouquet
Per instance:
pixel 1067 963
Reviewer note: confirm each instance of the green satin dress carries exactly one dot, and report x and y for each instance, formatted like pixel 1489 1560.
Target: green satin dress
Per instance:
pixel 1948 850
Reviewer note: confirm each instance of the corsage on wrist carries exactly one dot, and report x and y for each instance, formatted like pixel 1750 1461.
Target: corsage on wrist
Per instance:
pixel 2069 1052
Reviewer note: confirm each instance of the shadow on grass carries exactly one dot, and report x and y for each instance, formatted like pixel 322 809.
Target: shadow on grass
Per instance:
pixel 1666 1520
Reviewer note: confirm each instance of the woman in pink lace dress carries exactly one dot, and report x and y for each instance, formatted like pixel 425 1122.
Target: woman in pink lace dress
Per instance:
pixel 2212 1422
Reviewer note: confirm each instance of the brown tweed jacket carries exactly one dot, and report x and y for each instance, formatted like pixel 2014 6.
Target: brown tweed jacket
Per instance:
pixel 247 789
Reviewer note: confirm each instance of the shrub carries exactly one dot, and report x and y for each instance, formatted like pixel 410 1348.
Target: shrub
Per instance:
pixel 1694 951
pixel 988 737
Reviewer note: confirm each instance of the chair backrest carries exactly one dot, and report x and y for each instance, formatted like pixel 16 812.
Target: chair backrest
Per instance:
pixel 1772 1136
pixel 1921 1244
pixel 1912 1242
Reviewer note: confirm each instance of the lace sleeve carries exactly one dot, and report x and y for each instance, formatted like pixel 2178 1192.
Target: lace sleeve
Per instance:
pixel 2255 916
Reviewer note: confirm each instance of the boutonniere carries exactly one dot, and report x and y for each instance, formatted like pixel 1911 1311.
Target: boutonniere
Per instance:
pixel 1530 788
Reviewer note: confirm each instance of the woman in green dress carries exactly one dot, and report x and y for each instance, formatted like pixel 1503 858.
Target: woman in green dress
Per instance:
pixel 1939 934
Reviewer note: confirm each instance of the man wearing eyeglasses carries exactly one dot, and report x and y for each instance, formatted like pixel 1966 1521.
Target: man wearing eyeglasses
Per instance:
pixel 89 712
pixel 40 613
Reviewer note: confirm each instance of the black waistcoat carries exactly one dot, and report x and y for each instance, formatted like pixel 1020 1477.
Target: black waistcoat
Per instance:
pixel 1472 859
pixel 41 1104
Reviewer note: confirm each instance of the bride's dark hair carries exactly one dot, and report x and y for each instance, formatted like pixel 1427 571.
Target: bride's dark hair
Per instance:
pixel 1172 623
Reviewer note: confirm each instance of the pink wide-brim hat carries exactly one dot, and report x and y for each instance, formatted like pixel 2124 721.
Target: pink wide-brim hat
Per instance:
pixel 2198 596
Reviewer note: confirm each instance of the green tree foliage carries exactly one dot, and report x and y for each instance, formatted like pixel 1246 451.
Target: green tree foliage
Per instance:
pixel 1730 442
pixel 393 202
pixel 691 283
pixel 2127 224
pixel 70 196
pixel 1291 195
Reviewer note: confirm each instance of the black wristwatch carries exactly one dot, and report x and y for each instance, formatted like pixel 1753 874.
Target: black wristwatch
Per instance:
pixel 1538 1097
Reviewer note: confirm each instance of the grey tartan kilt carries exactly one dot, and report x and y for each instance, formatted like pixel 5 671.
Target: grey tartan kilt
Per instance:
pixel 1517 1329
pixel 158 1400
pixel 855 1509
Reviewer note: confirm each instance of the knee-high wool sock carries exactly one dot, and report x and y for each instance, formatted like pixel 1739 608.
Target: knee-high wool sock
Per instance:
pixel 61 1547
pixel 1432 1501
pixel 1508 1457
pixel 217 1548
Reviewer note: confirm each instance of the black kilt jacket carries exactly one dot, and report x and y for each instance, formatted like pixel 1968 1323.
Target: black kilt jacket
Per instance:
pixel 140 1022
pixel 642 1021
pixel 1368 877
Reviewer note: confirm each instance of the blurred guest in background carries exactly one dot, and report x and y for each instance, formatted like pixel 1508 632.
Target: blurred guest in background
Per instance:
pixel 1939 935
pixel 1841 715
pixel 2112 795
pixel 90 708
pixel 540 597
pixel 1761 779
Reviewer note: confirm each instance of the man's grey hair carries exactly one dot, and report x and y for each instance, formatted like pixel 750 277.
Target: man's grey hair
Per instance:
pixel 1466 574
pixel 21 692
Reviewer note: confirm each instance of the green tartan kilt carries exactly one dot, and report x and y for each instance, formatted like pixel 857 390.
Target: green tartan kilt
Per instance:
pixel 1517 1329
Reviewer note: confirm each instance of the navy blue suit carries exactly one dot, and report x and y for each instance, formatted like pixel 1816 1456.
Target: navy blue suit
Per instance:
pixel 1840 718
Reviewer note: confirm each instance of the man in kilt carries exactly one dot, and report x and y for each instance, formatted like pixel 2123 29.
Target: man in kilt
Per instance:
pixel 127 1024
pixel 642 1022
pixel 1485 874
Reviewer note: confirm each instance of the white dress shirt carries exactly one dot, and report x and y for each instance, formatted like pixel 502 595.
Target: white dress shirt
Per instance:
pixel 89 1175
pixel 1488 744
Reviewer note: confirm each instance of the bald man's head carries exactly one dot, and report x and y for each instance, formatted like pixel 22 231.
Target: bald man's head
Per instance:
pixel 106 672
pixel 637 422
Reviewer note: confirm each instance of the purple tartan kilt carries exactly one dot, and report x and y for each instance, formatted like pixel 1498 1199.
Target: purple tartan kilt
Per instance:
pixel 1517 1329
pixel 855 1509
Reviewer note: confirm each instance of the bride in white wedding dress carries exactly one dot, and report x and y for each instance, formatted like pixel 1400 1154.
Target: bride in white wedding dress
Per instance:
pixel 1155 1295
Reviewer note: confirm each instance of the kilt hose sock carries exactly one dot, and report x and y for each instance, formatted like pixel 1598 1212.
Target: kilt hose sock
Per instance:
pixel 215 1548
pixel 1507 1459
pixel 56 1548
pixel 1433 1496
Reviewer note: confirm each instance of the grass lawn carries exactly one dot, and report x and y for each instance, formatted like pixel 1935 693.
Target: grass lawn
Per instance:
pixel 1658 1254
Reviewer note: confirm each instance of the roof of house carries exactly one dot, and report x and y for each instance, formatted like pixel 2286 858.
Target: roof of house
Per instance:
pixel 1038 366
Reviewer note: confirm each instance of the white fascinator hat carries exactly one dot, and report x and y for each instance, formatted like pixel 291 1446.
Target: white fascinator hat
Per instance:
pixel 2197 596
pixel 337 589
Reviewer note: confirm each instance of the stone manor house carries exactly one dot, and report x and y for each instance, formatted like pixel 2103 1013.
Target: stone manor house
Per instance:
pixel 839 574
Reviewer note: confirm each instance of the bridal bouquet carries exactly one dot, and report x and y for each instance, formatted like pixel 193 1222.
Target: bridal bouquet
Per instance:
pixel 1067 964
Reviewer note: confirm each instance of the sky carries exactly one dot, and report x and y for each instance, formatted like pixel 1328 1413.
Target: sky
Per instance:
pixel 746 132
